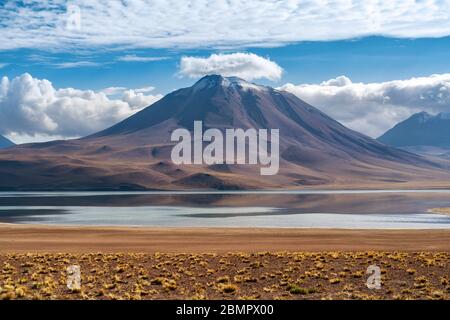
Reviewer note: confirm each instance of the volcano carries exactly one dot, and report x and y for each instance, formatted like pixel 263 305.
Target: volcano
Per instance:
pixel 315 150
pixel 5 143
pixel 421 129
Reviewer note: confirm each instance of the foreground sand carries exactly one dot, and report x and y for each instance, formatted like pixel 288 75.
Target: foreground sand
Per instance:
pixel 295 275
pixel 55 239
pixel 222 263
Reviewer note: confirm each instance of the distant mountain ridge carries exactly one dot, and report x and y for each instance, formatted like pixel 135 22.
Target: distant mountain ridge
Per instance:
pixel 421 129
pixel 5 143
pixel 134 154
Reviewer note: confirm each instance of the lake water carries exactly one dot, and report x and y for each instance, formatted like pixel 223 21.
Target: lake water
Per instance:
pixel 371 209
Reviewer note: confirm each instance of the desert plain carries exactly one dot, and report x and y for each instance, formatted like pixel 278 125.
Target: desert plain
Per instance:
pixel 222 263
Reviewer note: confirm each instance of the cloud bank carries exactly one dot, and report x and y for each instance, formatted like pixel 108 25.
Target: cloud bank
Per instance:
pixel 52 24
pixel 373 108
pixel 30 107
pixel 248 66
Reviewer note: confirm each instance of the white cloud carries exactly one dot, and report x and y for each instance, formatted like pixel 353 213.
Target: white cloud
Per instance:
pixel 75 64
pixel 33 107
pixel 134 58
pixel 248 66
pixel 111 91
pixel 25 138
pixel 152 23
pixel 138 99
pixel 373 108
pixel 144 89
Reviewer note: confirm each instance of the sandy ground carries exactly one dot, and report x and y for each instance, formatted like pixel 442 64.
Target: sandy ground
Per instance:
pixel 56 239
pixel 264 275
pixel 222 263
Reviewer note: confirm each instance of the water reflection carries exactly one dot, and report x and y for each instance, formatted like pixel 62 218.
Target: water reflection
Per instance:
pixel 356 209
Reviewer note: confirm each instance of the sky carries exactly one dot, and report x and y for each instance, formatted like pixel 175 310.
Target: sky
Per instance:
pixel 71 68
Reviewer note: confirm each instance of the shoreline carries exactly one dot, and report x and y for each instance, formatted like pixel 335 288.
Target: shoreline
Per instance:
pixel 311 189
pixel 443 211
pixel 21 238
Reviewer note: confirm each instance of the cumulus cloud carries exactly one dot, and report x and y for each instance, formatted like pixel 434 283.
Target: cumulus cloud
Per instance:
pixel 111 91
pixel 373 108
pixel 30 107
pixel 150 23
pixel 248 66
pixel 138 99
pixel 144 89
pixel 114 91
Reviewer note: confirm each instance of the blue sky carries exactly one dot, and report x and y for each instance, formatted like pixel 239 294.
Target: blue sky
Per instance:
pixel 370 59
pixel 71 68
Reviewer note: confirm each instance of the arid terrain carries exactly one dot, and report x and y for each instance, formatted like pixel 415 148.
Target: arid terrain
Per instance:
pixel 16 238
pixel 222 263
pixel 263 275
pixel 440 210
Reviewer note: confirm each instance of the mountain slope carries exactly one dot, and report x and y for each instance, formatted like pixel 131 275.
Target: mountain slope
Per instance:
pixel 5 143
pixel 421 129
pixel 134 154
pixel 234 103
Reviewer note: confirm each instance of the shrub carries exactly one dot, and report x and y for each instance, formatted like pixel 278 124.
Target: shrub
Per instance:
pixel 224 279
pixel 294 289
pixel 229 288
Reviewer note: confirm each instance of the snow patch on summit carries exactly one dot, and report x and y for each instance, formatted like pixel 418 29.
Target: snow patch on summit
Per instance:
pixel 444 116
pixel 231 82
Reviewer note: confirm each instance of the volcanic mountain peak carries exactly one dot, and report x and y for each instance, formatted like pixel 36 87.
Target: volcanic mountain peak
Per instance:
pixel 422 117
pixel 5 143
pixel 224 101
pixel 444 116
pixel 309 137
pixel 421 129
pixel 215 80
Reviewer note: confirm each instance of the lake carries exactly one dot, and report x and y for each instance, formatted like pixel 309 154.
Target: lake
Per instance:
pixel 371 209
